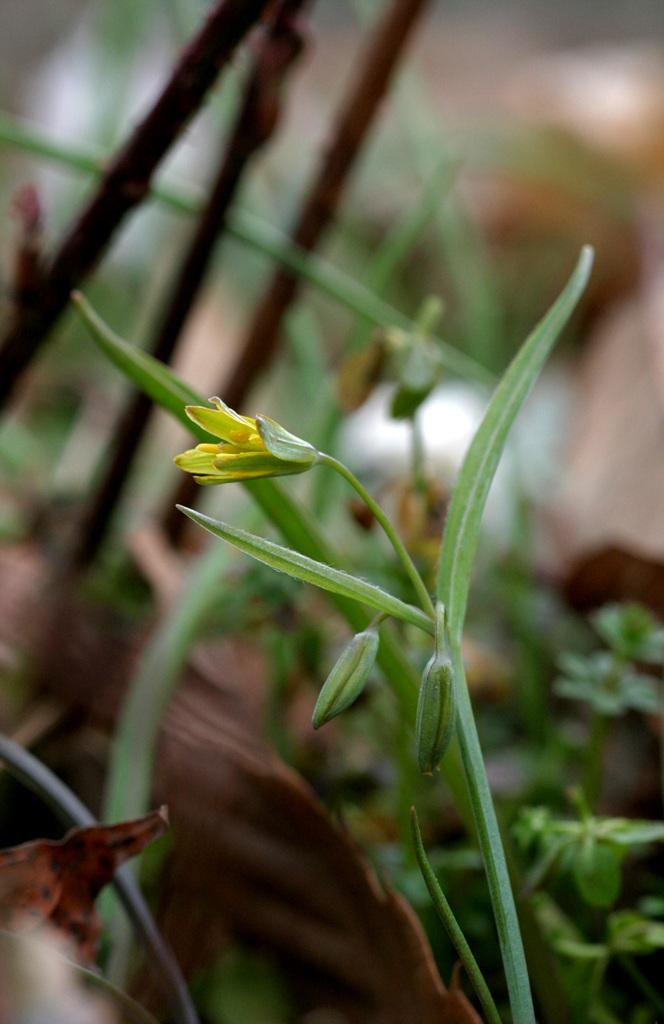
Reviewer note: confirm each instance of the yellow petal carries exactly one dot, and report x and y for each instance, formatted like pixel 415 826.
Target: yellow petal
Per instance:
pixel 198 460
pixel 224 423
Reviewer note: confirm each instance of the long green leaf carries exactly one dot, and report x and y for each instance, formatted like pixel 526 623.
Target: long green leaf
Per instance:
pixel 457 554
pixel 462 528
pixel 151 687
pixel 308 570
pixel 151 375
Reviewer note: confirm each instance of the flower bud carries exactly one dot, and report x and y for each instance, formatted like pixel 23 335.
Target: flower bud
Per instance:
pixel 436 705
pixel 248 450
pixel 346 680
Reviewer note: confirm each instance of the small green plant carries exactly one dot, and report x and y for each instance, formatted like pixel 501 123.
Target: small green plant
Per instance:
pixel 583 857
pixel 240 445
pixel 590 849
pixel 609 681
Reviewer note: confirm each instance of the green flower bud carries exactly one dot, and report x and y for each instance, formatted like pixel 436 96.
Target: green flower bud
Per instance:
pixel 436 704
pixel 346 680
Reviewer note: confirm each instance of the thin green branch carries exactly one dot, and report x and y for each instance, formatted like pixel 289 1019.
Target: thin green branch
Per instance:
pixel 388 528
pixel 452 927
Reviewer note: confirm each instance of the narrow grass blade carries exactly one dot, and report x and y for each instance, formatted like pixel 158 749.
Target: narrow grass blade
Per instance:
pixel 451 925
pixel 131 766
pixel 71 811
pixel 462 528
pixel 400 240
pixel 459 545
pixel 149 374
pixel 254 232
pixel 308 570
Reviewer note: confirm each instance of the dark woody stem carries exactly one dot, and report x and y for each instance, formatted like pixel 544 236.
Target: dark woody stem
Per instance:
pixel 275 52
pixel 375 67
pixel 126 181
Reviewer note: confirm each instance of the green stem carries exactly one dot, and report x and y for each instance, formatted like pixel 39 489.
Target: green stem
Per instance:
pixel 493 853
pixel 596 979
pixel 419 463
pixel 592 778
pixel 457 938
pixel 390 532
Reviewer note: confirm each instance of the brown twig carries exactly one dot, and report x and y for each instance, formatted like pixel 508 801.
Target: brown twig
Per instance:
pixel 127 180
pixel 27 275
pixel 358 109
pixel 256 121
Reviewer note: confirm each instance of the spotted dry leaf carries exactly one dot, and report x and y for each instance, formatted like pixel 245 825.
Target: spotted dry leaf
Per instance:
pixel 57 881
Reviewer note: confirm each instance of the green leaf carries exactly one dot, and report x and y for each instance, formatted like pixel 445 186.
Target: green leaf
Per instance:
pixel 630 932
pixel 631 630
pixel 597 873
pixel 581 950
pixel 148 373
pixel 310 571
pixel 464 517
pixel 633 833
pixel 603 681
pixel 451 925
pixel 159 667
pixel 458 549
pixel 544 866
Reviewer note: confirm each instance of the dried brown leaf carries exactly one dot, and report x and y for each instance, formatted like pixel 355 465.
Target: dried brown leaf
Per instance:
pixel 57 881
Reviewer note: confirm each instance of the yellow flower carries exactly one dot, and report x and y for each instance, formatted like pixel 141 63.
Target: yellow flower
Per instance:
pixel 248 448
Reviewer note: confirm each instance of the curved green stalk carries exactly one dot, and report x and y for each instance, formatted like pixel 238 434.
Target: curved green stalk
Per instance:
pixel 460 541
pixel 388 528
pixel 493 853
pixel 446 915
